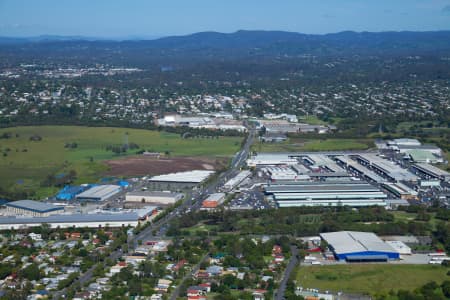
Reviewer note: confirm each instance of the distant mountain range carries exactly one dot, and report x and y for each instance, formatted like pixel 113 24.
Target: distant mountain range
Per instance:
pixel 246 43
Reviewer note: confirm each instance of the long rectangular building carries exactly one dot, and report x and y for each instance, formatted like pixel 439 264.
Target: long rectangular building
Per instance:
pixel 72 220
pixel 346 193
pixel 194 177
pixel 32 208
pixel 386 167
pixel 99 193
pixel 157 198
pixel 432 171
pixel 235 181
pixel 362 246
pixel 354 166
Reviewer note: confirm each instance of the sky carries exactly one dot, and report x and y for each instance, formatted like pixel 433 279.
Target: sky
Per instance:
pixel 156 18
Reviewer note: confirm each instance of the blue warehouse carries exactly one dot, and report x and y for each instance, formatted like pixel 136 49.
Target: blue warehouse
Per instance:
pixel 354 246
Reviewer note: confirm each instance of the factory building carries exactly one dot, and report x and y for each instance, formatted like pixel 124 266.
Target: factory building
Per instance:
pixel 422 156
pixel 352 165
pixel 326 193
pixel 320 161
pixel 432 171
pixel 355 246
pixel 155 198
pixel 271 159
pixel 400 190
pixel 99 193
pixel 32 208
pixel 193 177
pixel 213 201
pixel 72 220
pixel 235 181
pixel 386 167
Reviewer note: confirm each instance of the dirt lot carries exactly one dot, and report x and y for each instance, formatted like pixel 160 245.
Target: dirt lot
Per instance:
pixel 141 165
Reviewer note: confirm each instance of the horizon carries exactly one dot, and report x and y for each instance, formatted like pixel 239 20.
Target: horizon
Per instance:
pixel 45 36
pixel 143 19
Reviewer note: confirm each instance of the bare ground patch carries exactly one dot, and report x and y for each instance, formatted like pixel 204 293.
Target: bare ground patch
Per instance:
pixel 141 165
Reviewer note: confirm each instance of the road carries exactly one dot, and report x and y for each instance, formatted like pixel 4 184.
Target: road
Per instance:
pixel 176 292
pixel 193 201
pixel 293 262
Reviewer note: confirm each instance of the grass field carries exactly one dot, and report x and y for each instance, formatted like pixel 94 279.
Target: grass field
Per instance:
pixel 292 145
pixel 373 279
pixel 26 163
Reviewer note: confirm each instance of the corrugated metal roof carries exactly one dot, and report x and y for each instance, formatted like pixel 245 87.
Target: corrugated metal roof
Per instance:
pixel 195 176
pixel 344 242
pixel 35 206
pixel 99 191
pixel 73 218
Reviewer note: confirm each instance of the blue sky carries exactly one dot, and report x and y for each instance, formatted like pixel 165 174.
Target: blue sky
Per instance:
pixel 149 18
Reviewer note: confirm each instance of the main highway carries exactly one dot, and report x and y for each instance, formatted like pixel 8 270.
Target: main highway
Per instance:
pixel 193 201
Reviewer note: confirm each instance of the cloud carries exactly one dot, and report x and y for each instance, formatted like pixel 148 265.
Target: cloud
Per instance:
pixel 446 9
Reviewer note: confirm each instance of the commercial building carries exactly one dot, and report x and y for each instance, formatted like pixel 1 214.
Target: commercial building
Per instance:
pixel 213 201
pixel 400 190
pixel 235 181
pixel 99 193
pixel 404 142
pixel 400 247
pixel 320 161
pixel 32 208
pixel 280 173
pixel 271 159
pixel 386 167
pixel 155 198
pixel 422 156
pixel 72 220
pixel 432 171
pixel 352 165
pixel 359 246
pixel 324 193
pixel 219 123
pixel 194 177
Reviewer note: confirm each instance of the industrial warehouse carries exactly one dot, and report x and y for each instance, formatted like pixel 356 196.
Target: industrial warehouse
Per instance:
pixel 387 168
pixel 32 208
pixel 99 193
pixel 338 193
pixel 73 220
pixel 353 246
pixel 189 177
pixel 155 198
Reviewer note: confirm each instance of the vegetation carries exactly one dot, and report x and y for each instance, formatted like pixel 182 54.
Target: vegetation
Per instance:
pixel 372 279
pixel 49 161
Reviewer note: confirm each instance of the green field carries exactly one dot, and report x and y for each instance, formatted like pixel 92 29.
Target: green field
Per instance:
pixel 373 279
pixel 24 163
pixel 292 145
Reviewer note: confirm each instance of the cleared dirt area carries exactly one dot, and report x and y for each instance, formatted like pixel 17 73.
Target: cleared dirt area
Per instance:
pixel 141 165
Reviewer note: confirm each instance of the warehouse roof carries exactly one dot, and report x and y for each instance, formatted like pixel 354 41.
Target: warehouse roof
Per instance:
pixel 72 218
pixel 35 206
pixel 153 194
pixel 195 176
pixel 353 241
pixel 320 188
pixel 99 191
pixel 432 169
pixel 421 155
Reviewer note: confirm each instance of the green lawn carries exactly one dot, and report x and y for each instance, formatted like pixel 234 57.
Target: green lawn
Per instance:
pixel 27 162
pixel 373 279
pixel 293 145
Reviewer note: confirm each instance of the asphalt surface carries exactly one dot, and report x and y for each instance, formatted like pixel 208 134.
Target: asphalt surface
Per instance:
pixel 293 262
pixel 192 201
pixel 176 292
